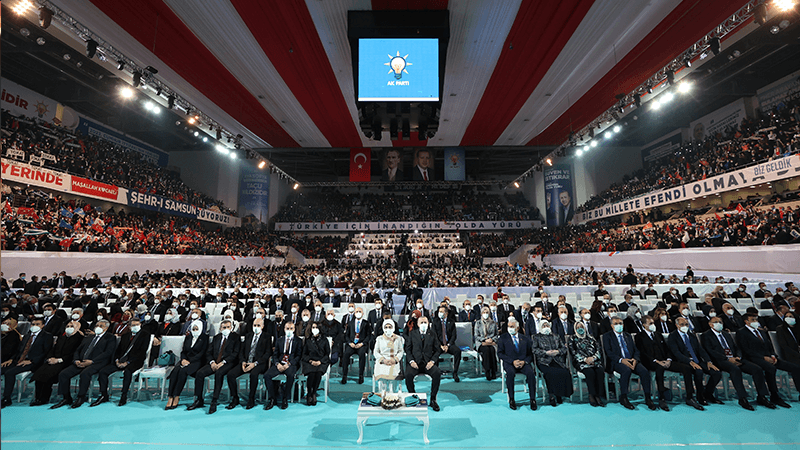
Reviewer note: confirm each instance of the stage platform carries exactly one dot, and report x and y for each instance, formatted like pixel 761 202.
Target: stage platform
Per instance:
pixel 474 415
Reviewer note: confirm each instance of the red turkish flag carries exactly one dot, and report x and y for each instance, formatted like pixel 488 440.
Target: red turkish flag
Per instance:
pixel 360 162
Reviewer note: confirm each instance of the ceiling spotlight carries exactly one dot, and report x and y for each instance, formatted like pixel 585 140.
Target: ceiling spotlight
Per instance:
pixel 670 77
pixel 593 144
pixel 666 98
pixel 22 7
pixel 760 14
pixel 549 161
pixel 617 128
pixel 783 5
pixel 205 138
pixel 171 101
pixel 219 134
pixel 736 53
pixel 649 88
pixel 784 24
pixel 637 100
pixel 120 64
pixel 158 90
pixel 196 134
pixel 714 46
pixel 232 155
pixel 91 48
pixel 66 56
pixel 688 61
pixel 684 87
pixel 126 92
pixel 608 135
pixel 191 120
pixel 45 17
pixel 156 109
pixel 148 105
pixel 297 185
pixel 655 104
pixel 40 41
pixel 262 164
pixel 137 79
pixel 25 32
pixel 775 29
pixel 579 152
pixel 151 69
pixel 516 184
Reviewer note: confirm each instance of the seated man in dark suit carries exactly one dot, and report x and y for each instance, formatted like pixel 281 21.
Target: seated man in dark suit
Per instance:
pixel 762 291
pixel 548 307
pixel 757 348
pixel 562 325
pixel 600 292
pixel 516 354
pixel 650 292
pixel 222 356
pixel 32 349
pixel 467 315
pixel 694 323
pixel 357 338
pixel 777 320
pixel 772 302
pixel 446 333
pixel 254 355
pixel 422 357
pixel 53 323
pixel 741 292
pixel 633 292
pixel 94 353
pixel 656 358
pixel 130 355
pixel 686 349
pixel 285 361
pixel 732 321
pixel 592 328
pixel 623 358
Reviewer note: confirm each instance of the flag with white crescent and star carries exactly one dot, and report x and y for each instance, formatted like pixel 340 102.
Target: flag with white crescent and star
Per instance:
pixel 360 163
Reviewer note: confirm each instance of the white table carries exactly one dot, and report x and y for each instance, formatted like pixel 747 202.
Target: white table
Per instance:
pixel 420 412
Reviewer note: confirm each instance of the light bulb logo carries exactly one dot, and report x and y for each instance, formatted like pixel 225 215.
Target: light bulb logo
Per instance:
pixel 398 64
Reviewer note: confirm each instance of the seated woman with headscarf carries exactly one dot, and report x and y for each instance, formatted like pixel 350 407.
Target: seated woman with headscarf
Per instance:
pixel 551 359
pixel 191 359
pixel 388 354
pixel 586 357
pixel 485 333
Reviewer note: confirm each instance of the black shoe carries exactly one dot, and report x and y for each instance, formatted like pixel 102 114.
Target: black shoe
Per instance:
pixel 553 400
pixel 695 404
pixel 284 404
pixel 100 400
pixel 344 380
pixel 512 405
pixel 168 408
pixel 765 403
pixel 5 402
pixel 250 404
pixel 600 402
pixel 37 402
pixel 663 405
pixel 435 406
pixel 361 380
pixel 233 404
pixel 593 401
pixel 779 401
pixel 270 404
pixel 714 400
pixel 702 401
pixel 649 402
pixel 534 406
pixel 455 378
pixel 746 405
pixel 64 402
pixel 559 400
pixel 212 408
pixel 313 399
pixel 77 403
pixel 626 403
pixel 123 400
pixel 197 404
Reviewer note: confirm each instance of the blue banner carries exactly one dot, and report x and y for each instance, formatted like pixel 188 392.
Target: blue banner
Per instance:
pixel 152 154
pixel 558 194
pixel 176 208
pixel 454 164
pixel 253 196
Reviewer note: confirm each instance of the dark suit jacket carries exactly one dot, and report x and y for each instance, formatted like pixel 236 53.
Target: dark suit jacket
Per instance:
pixel 364 333
pixel 614 351
pixel 776 302
pixel 138 352
pixel 787 342
pixel 263 348
pixel 38 350
pixel 196 353
pixel 547 310
pixel 422 349
pixel 622 307
pixel 559 330
pixel 468 316
pixel 632 327
pixel 508 353
pixel 734 323
pixel 450 326
pixel 660 325
pixel 774 322
pixel 681 353
pixel 753 348
pixel 54 326
pixel 230 353
pixel 102 352
pixel 295 351
pixel 651 350
pixel 714 349
pixel 416 175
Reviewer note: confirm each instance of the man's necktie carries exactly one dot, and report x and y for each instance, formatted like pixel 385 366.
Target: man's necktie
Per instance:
pixel 758 335
pixel 516 343
pixel 425 175
pixel 221 348
pixel 691 349
pixel 691 325
pixel 90 347
pixel 130 347
pixel 252 353
pixel 444 333
pixel 624 347
pixel 27 348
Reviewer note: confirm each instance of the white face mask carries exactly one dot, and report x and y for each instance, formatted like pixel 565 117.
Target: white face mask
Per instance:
pixel 685 311
pixel 419 306
pixel 512 330
pixel 192 307
pixel 289 334
pixel 256 330
pixel 68 330
pixel 358 315
pixel 225 332
pixel 168 317
pixel 712 314
pixel 546 331
pixel 729 312
pixel 441 315
pixel 587 316
pixel 135 329
pixel 318 308
pixel 753 325
pixel 485 316
pixel 505 301
pixel 76 317
pixel 423 328
pixel 147 318
pixel 47 313
pixel 388 331
pixel 378 307
pixel 305 318
pixel 175 304
pixel 638 315
pixel 196 333
pixel 563 316
pixel 539 315
pixel 651 327
pixel 259 316
pixel 467 307
pixel 99 317
pixel 97 330
pixel 790 321
pixel 4 328
pixel 717 326
pixel 493 308
pixel 315 331
pixel 330 317
pixel 195 316
pixel 350 310
pixel 684 329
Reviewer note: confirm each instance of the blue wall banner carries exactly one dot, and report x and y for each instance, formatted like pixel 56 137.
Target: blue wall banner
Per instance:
pixel 152 154
pixel 176 208
pixel 454 164
pixel 558 195
pixel 253 196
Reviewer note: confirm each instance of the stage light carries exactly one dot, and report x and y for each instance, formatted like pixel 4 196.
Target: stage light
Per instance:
pixel 232 155
pixel 775 29
pixel 760 14
pixel 656 104
pixel 148 105
pixel 593 144
pixel 40 41
pixel 171 101
pixel 219 134
pixel 684 87
pixel 296 185
pixel 196 134
pixel 784 5
pixel 579 152
pixel 670 77
pixel 666 98
pixel 91 48
pixel 617 129
pixel 45 17
pixel 637 100
pixel 688 61
pixel 22 7
pixel 549 161
pixel 516 184
pixel 156 109
pixel 205 138
pixel 126 92
pixel 137 79
pixel 714 46
pixel 608 135
pixel 262 164
pixel 191 120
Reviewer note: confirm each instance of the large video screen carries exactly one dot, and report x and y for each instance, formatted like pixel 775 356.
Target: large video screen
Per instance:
pixel 392 70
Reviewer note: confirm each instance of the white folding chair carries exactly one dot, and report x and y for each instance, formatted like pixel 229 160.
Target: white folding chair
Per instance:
pixel 161 373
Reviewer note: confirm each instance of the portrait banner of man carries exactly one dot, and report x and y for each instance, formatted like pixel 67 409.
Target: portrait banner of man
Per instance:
pixel 558 190
pixel 423 169
pixel 392 165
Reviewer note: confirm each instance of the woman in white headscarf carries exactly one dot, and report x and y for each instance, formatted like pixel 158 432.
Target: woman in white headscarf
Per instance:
pixel 192 358
pixel 388 354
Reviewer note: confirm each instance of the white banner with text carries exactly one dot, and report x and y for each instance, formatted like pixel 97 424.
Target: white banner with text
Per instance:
pixel 408 226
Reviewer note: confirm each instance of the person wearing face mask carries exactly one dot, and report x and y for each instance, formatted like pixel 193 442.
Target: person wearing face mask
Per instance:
pixel 787 337
pixel 413 296
pixel 467 314
pixel 633 320
pixel 305 323
pixel 57 359
pixel 477 307
pixel 388 352
pixel 548 308
pixel 693 323
pixel 741 292
pixel 731 319
pixel 515 351
pixel 601 291
pixel 94 353
pixel 778 319
pixel 445 330
pixel 10 339
pixel 486 335
pixel 551 359
pixel 130 355
pixel 605 323
pixel 627 303
pixel 623 358
pixel 193 353
pixel 587 358
pixel 376 314
pixel 196 315
pixel 288 351
pixel 357 337
pixel 422 357
pixel 29 355
pixel 656 358
pixel 686 349
pixel 772 302
pixel 222 355
pixel 562 326
pixel 726 355
pixel 315 360
pixel 757 348
pixel 318 312
pixel 585 317
pixel 254 354
pixel 673 299
pixel 332 328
